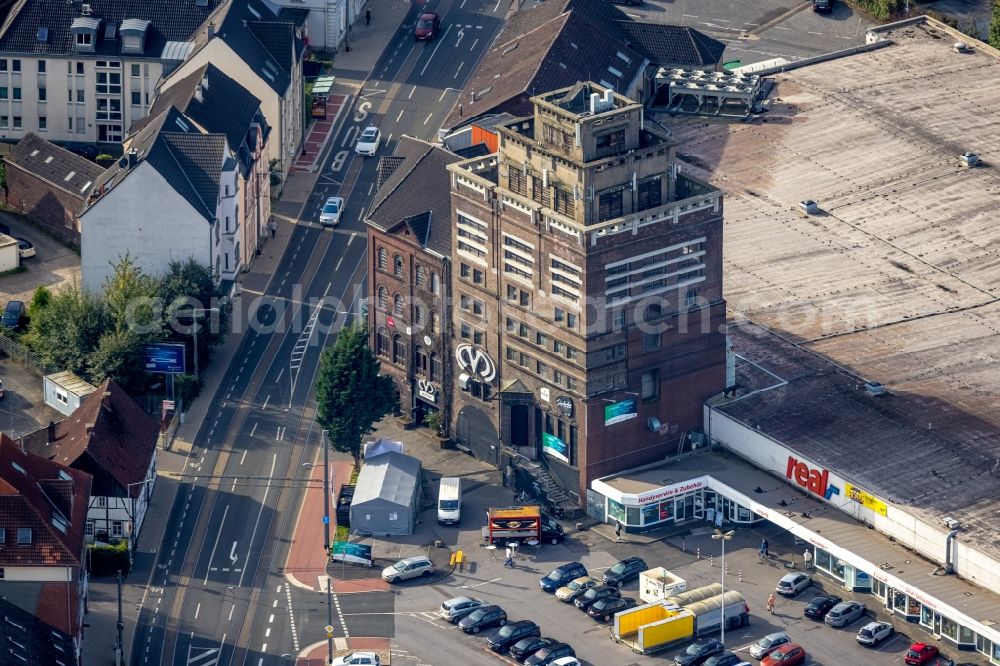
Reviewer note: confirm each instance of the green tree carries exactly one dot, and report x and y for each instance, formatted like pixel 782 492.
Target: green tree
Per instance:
pixel 188 285
pixel 40 300
pixel 66 327
pixel 132 299
pixel 351 395
pixel 119 355
pixel 994 38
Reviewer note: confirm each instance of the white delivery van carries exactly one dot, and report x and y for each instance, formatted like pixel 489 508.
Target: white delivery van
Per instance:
pixel 450 501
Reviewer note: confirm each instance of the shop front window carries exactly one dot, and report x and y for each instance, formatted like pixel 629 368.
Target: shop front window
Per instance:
pixel 650 514
pixel 823 559
pixel 996 652
pixel 838 569
pixel 743 514
pixel 949 628
pixel 633 516
pixel 666 510
pixel 966 636
pixel 899 601
pixel 912 607
pixel 878 589
pixel 926 616
pixel 616 510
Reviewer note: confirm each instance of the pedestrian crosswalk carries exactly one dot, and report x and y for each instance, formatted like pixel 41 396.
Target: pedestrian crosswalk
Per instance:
pixel 202 656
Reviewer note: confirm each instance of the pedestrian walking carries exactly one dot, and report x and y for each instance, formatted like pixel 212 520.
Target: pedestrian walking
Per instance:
pixel 273 226
pixel 618 531
pixel 508 558
pixel 807 557
pixel 771 600
pixel 368 17
pixel 763 548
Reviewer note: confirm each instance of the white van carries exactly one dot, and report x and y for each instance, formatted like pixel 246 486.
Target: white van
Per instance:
pixel 450 501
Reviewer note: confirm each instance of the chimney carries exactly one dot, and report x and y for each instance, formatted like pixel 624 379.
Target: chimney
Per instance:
pixel 211 30
pixel 106 400
pixel 52 432
pixel 132 157
pixel 204 82
pixel 90 429
pixel 199 93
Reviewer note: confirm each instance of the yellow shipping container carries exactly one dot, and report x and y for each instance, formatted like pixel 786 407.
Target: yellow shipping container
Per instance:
pixel 665 632
pixel 628 622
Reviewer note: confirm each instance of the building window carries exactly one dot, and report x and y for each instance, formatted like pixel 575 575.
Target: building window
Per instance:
pixel 465 331
pixel 398 350
pixel 649 194
pixel 88 528
pixel 690 298
pixel 418 315
pixel 4 93
pixel 619 322
pixel 542 340
pixel 419 275
pixel 420 358
pixel 136 98
pixel 3 535
pixel 464 302
pixel 43 94
pixel 435 284
pixel 478 307
pixel 79 67
pixel 80 96
pixel 570 320
pixel 517 182
pixel 558 314
pixel 383 258
pixel 650 385
pixel 383 299
pixel 117 528
pixel 43 123
pixel 650 341
pixel 382 342
pixel 525 298
pixel 4 122
pixel 397 305
pixel 558 377
pixel 3 64
pixel 23 536
pixel 478 277
pixel 615 352
pixel 435 372
pixel 541 369
pixel 17 122
pixel 135 70
pixel 41 66
pixel 397 265
pixel 609 206
pixel 610 142
pixel 83 39
pixel 16 93
pixel 435 323
pixel 464 271
pixel 511 293
pixel 15 65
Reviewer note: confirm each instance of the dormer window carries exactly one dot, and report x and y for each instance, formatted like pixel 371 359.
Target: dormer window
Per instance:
pixel 84 29
pixel 133 33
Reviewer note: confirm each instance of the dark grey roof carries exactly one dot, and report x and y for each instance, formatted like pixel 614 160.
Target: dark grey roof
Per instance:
pixel 169 21
pixel 58 166
pixel 417 196
pixel 478 150
pixel 27 639
pixel 188 159
pixel 391 476
pixel 386 167
pixel 672 44
pixel 225 106
pixel 258 33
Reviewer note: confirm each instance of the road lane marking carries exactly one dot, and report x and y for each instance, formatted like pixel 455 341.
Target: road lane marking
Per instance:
pixel 339 262
pixel 371 186
pixel 233 608
pixel 197 610
pixel 429 116
pixel 473 47
pixel 460 65
pixel 497 7
pixel 351 239
pixel 399 116
pixel 244 456
pixel 211 557
pixel 263 502
pixel 412 90
pixel 264 406
pixel 280 373
pixel 485 582
pixel 232 552
pixel 443 93
pixel 436 47
pixel 270 619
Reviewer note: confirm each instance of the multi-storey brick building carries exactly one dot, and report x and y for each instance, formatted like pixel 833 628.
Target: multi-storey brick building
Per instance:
pixel 409 246
pixel 587 285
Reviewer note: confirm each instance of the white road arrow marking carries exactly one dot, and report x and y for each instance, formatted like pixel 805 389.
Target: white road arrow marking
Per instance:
pixel 232 554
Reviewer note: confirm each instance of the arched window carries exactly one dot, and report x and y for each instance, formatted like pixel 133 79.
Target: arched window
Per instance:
pixel 435 284
pixel 435 372
pixel 398 350
pixel 419 270
pixel 383 298
pixel 435 323
pixel 382 342
pixel 383 258
pixel 397 265
pixel 418 315
pixel 397 305
pixel 421 361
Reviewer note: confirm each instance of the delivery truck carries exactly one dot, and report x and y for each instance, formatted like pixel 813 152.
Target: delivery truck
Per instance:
pixel 658 626
pixel 657 584
pixel 521 523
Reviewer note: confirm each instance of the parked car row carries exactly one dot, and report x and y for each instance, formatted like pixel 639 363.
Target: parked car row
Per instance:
pixel 522 640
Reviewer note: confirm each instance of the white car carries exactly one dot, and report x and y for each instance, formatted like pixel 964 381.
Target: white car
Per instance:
pixel 769 644
pixel 874 633
pixel 411 567
pixel 329 216
pixel 369 141
pixel 357 659
pixel 567 661
pixel 793 583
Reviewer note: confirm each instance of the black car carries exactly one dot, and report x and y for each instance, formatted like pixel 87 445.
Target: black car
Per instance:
pixel 343 510
pixel 624 571
pixel 552 532
pixel 512 633
pixel 724 659
pixel 561 575
pixel 483 618
pixel 549 654
pixel 819 606
pixel 12 316
pixel 605 609
pixel 595 594
pixel 699 651
pixel 526 647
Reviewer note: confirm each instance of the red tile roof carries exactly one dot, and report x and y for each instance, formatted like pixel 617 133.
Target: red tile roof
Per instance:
pixel 46 497
pixel 110 427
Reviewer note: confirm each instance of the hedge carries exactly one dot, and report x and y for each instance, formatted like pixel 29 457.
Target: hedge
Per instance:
pixel 108 560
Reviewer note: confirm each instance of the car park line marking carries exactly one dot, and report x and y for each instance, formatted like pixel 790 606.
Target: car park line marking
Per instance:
pixel 485 582
pixel 815 33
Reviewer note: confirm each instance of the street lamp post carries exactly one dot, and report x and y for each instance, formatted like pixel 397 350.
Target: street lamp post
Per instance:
pixel 719 535
pixel 194 330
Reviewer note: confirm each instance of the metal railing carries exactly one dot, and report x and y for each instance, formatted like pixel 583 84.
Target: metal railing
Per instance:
pixel 24 356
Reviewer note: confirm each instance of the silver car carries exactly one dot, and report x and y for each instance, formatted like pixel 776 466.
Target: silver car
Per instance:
pixel 329 215
pixel 769 644
pixel 411 567
pixel 455 609
pixel 844 613
pixel 874 633
pixel 793 583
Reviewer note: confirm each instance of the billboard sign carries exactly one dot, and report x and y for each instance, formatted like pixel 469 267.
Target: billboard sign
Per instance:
pixel 621 411
pixel 355 553
pixel 165 357
pixel 555 447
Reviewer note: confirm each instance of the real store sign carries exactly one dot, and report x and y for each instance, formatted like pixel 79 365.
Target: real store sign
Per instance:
pixel 814 480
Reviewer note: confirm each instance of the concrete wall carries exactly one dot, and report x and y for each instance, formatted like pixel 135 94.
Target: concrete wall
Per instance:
pixel 911 531
pixel 126 220
pixel 10 258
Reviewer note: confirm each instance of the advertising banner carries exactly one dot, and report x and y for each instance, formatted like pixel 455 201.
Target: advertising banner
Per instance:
pixel 165 357
pixel 621 411
pixel 865 499
pixel 355 553
pixel 555 447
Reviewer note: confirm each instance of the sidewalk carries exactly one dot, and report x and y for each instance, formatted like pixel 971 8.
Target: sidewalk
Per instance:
pixel 319 135
pixel 367 42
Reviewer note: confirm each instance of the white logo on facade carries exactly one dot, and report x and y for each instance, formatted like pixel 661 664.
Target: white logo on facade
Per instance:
pixel 426 390
pixel 475 361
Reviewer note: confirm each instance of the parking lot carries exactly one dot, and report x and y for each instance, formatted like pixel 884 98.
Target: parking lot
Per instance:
pixel 423 636
pixel 53 264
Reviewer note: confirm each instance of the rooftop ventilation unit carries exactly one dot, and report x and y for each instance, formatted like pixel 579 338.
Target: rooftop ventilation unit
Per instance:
pixel 86 9
pixel 874 388
pixel 970 159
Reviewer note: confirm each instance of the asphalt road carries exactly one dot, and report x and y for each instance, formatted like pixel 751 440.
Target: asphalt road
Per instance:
pixel 217 596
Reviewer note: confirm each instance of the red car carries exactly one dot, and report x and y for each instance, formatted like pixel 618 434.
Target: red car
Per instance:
pixel 786 655
pixel 920 654
pixel 427 26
